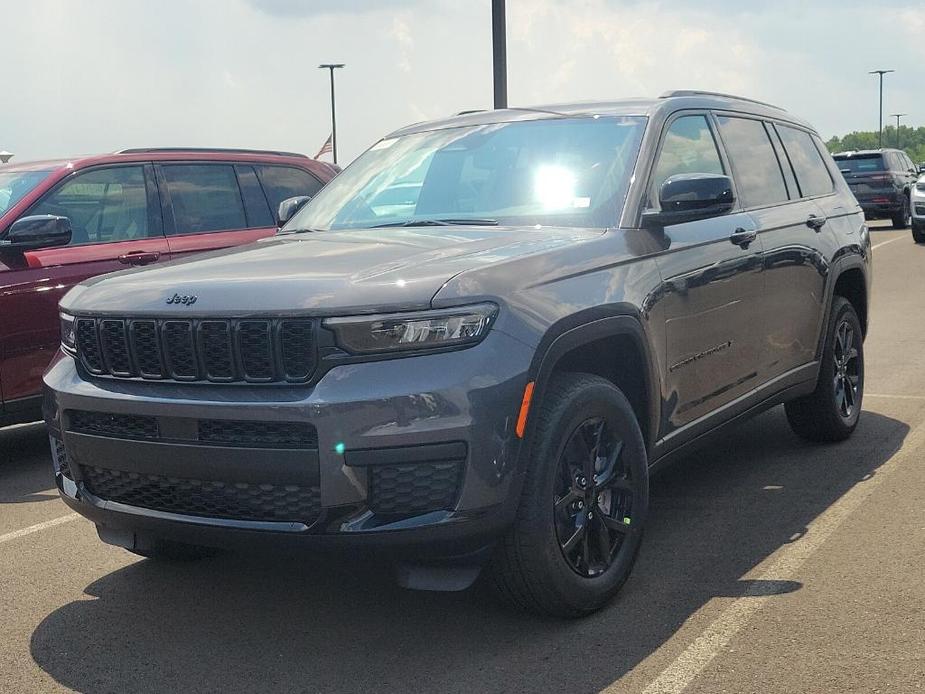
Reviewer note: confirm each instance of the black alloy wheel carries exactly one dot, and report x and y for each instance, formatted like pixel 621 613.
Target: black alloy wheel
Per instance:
pixel 847 380
pixel 594 498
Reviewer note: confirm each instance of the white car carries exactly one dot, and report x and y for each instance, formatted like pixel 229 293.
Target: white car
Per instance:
pixel 918 210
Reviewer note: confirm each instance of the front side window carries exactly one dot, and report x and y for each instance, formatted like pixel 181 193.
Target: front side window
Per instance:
pixel 103 205
pixel 757 171
pixel 688 147
pixel 808 165
pixel 281 182
pixel 205 197
pixel 15 185
pixel 558 171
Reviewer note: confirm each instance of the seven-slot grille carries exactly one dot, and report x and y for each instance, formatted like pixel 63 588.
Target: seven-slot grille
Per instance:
pixel 215 350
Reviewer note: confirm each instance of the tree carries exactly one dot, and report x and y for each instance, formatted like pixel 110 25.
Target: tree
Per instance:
pixel 912 141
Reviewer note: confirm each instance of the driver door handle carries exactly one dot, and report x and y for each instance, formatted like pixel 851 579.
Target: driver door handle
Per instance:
pixel 743 237
pixel 139 257
pixel 816 223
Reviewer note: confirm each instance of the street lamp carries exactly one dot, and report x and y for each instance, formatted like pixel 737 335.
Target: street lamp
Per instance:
pixel 332 67
pixel 881 73
pixel 499 52
pixel 897 116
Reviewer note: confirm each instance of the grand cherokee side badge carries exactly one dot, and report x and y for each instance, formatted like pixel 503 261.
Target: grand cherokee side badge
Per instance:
pixel 182 299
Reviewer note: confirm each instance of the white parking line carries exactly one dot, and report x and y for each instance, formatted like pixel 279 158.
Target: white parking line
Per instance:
pixel 894 397
pixel 37 527
pixel 780 566
pixel 883 243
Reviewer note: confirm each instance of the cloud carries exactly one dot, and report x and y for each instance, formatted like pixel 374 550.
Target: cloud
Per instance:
pixel 309 8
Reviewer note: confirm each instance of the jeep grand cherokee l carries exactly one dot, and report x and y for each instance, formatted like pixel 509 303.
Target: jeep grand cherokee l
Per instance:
pixel 64 221
pixel 881 180
pixel 486 376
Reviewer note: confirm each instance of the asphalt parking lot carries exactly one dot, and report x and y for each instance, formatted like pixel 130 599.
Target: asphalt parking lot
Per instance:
pixel 771 565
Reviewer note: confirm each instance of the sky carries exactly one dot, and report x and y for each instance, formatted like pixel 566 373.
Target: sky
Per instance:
pixel 100 75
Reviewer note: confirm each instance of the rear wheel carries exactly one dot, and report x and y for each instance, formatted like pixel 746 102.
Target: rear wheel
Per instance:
pixel 584 504
pixel 903 216
pixel 831 412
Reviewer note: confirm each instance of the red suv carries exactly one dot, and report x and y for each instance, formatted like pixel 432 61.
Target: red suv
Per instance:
pixel 64 221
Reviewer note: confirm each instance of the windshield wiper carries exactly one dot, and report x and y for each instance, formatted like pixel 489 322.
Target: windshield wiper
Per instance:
pixel 471 221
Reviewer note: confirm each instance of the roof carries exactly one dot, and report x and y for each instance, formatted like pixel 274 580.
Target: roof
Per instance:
pixel 172 154
pixel 668 102
pixel 864 152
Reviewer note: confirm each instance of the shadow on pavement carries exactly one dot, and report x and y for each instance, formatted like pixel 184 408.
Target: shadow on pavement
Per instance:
pixel 25 465
pixel 247 624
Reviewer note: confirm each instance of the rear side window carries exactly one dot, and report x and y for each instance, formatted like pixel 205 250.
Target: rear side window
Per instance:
pixel 281 182
pixel 103 205
pixel 205 197
pixel 808 165
pixel 757 171
pixel 688 147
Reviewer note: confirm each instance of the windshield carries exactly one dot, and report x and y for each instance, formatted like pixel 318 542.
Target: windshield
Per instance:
pixel 564 172
pixel 15 185
pixel 862 164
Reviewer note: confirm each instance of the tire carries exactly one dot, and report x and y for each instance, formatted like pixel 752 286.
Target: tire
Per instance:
pixel 168 550
pixel 824 416
pixel 531 567
pixel 918 232
pixel 902 218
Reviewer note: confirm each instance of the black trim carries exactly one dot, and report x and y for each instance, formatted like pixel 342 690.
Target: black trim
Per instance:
pixel 403 455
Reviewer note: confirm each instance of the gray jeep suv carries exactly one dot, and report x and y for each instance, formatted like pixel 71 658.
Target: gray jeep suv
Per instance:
pixel 472 348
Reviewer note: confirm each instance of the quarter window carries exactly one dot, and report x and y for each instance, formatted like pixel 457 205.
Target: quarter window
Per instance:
pixel 688 147
pixel 103 205
pixel 757 171
pixel 205 197
pixel 811 171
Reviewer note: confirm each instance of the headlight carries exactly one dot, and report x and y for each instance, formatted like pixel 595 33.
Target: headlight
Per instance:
pixel 68 338
pixel 920 187
pixel 465 325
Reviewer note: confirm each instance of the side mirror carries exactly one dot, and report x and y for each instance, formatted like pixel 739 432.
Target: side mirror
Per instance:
pixel 288 208
pixel 689 197
pixel 37 231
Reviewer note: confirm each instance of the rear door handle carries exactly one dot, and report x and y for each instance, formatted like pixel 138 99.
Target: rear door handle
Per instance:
pixel 139 257
pixel 743 237
pixel 816 223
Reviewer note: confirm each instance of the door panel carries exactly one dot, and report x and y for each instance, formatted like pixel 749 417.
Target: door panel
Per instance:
pixel 111 205
pixel 712 328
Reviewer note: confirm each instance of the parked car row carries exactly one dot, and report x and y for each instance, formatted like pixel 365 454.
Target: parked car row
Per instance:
pixel 882 181
pixel 62 222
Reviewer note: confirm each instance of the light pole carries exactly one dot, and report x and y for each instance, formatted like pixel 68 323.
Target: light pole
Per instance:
pixel 897 116
pixel 881 73
pixel 332 67
pixel 499 52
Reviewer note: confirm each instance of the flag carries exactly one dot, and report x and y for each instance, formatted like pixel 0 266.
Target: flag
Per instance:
pixel 326 148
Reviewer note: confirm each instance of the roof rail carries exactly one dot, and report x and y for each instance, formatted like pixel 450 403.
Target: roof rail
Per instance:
pixel 696 92
pixel 226 150
pixel 471 110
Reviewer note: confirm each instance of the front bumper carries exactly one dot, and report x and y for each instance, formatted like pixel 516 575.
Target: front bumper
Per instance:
pixel 416 453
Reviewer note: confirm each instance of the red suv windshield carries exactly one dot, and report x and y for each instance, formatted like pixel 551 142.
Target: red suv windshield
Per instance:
pixel 15 185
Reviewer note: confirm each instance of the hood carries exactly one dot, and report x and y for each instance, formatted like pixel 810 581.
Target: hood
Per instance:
pixel 325 273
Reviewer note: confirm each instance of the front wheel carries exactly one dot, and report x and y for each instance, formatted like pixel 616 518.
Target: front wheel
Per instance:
pixel 831 412
pixel 918 231
pixel 584 503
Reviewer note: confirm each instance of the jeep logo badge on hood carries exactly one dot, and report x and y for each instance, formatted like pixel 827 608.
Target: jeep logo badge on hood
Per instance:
pixel 182 299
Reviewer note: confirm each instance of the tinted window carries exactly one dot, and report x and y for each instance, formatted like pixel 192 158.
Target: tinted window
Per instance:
pixel 812 174
pixel 281 182
pixel 255 203
pixel 688 147
pixel 860 164
pixel 103 205
pixel 757 171
pixel 205 197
